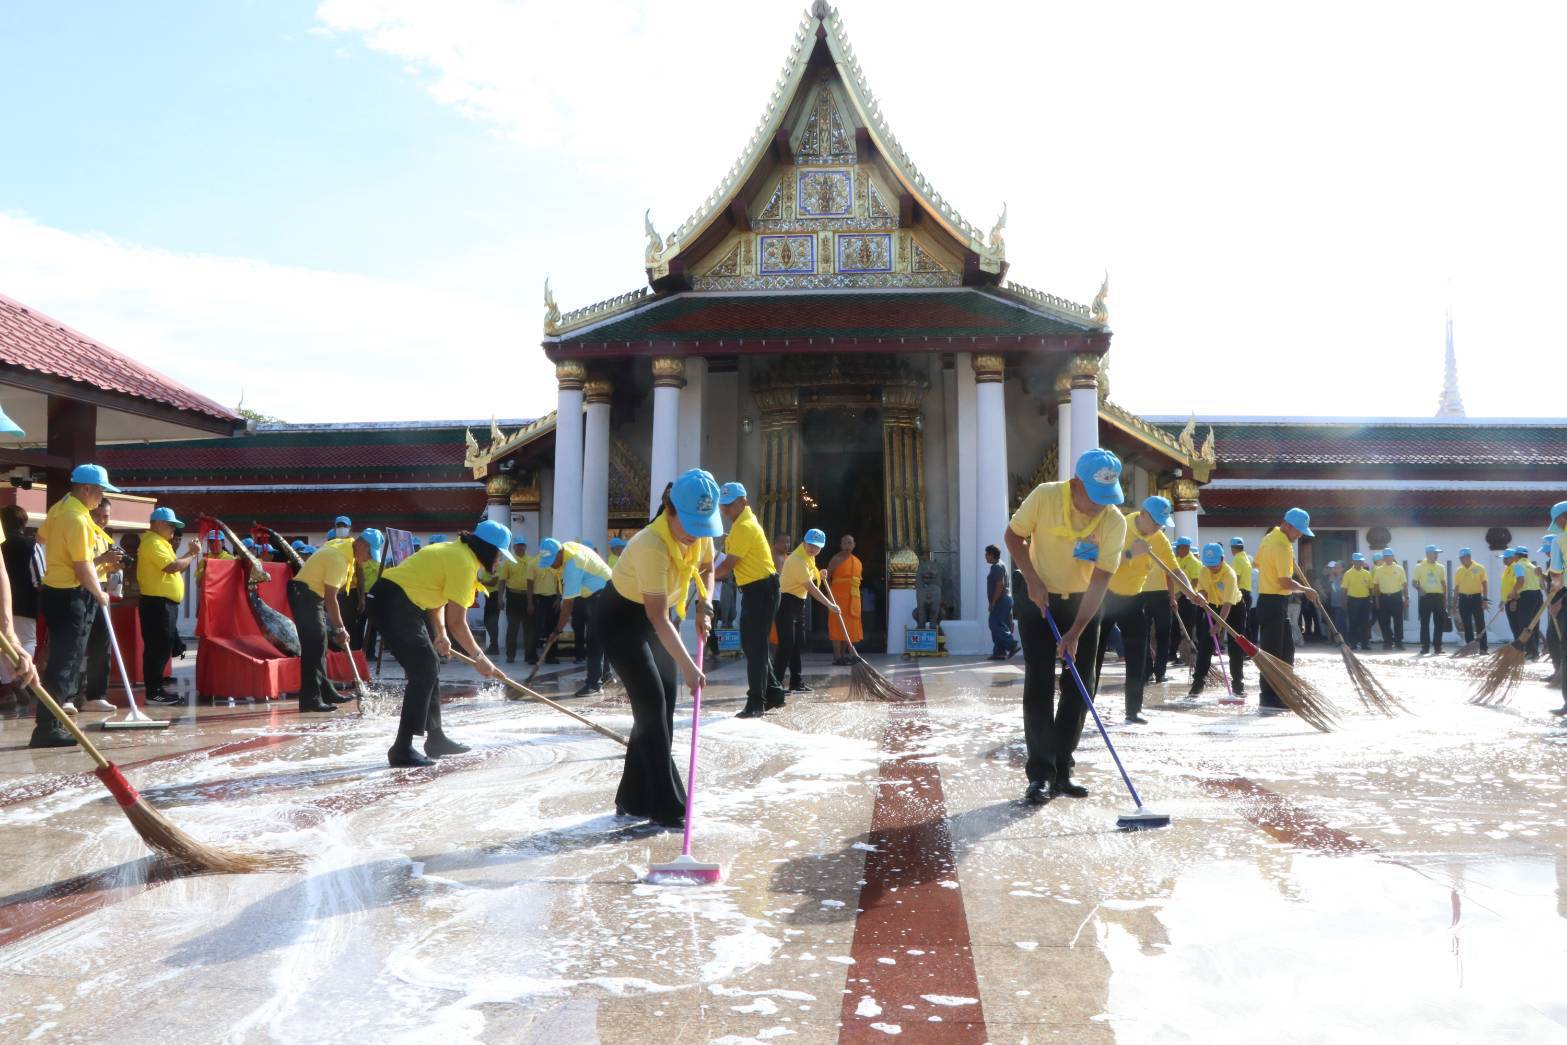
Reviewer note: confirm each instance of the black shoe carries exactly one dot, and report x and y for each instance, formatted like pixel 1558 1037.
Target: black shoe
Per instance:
pixel 1069 789
pixel 405 758
pixel 800 687
pixel 438 745
pixel 1136 720
pixel 166 700
pixel 588 691
pixel 749 711
pixel 1037 794
pixel 56 737
pixel 1194 693
pixel 168 680
pixel 1560 711
pixel 1425 651
pixel 337 698
pixel 1159 679
pixel 774 705
pixel 316 706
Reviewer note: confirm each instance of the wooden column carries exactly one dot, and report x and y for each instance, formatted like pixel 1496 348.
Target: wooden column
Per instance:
pixel 903 469
pixel 73 436
pixel 780 502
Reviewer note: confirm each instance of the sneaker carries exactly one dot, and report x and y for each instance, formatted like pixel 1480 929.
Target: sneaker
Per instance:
pixel 168 700
pixel 588 691
pixel 69 708
pixel 97 705
pixel 800 687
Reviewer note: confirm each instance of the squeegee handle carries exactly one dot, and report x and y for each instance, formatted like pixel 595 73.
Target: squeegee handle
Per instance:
pixel 119 661
pixel 1088 702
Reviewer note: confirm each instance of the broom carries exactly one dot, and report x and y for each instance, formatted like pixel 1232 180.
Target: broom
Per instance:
pixel 540 662
pixel 1500 673
pixel 529 694
pixel 865 682
pixel 685 867
pixel 1472 647
pixel 1368 688
pixel 1297 694
pixel 154 829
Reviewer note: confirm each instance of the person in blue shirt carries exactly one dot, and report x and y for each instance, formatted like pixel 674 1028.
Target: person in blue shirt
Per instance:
pixel 582 576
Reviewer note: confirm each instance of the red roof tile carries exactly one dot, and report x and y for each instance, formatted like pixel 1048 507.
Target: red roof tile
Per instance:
pixel 33 341
pixel 1292 446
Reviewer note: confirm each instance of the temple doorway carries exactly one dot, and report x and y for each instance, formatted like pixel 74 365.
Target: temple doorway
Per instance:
pixel 842 482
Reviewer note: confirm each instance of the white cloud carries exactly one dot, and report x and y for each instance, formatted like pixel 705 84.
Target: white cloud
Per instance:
pixel 300 344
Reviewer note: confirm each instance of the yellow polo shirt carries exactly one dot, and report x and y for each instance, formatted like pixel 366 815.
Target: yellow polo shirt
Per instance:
pixel 154 554
pixel 1357 583
pixel 1530 581
pixel 437 574
pixel 1065 546
pixel 1240 562
pixel 1430 578
pixel 515 575
pixel 1509 581
pixel 798 568
pixel 69 536
pixel 1137 571
pixel 330 567
pixel 1190 565
pixel 747 545
pixel 1219 585
pixel 1275 563
pixel 546 581
pixel 1468 580
pixel 647 567
pixel 1390 578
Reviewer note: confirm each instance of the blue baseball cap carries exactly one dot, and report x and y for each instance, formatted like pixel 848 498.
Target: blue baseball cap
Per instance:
pixel 93 475
pixel 440 538
pixel 297 544
pixel 8 426
pixel 1158 509
pixel 1521 550
pixel 549 547
pixel 492 532
pixel 1356 557
pixel 1237 542
pixel 1465 551
pixel 1301 520
pixel 1549 539
pixel 166 515
pixel 729 493
pixel 617 542
pixel 1099 471
pixel 1183 542
pixel 1432 549
pixel 1558 510
pixel 518 541
pixel 695 497
pixel 1212 554
pixel 372 537
pixel 249 542
pixel 816 537
pixel 342 520
pixel 308 549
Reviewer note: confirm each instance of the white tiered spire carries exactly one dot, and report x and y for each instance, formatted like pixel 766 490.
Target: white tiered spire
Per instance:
pixel 1452 403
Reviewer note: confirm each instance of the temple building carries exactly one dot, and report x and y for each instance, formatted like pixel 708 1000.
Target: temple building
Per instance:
pixel 829 330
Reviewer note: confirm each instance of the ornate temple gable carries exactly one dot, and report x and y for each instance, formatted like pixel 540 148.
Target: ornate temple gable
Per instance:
pixel 824 138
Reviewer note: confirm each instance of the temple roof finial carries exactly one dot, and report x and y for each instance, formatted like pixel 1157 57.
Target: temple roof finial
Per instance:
pixel 1451 404
pixel 1101 311
pixel 821 10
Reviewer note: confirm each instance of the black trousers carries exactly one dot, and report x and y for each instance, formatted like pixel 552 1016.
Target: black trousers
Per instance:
pixel 1126 613
pixel 589 639
pixel 96 684
pixel 1156 618
pixel 159 636
pixel 1390 619
pixel 1188 614
pixel 650 783
pixel 1432 608
pixel 791 638
pixel 348 608
pixel 1529 603
pixel 1052 729
pixel 1274 636
pixel 403 628
pixel 1471 618
pixel 758 609
pixel 309 611
pixel 492 622
pixel 579 630
pixel 518 618
pixel 546 611
pixel 68 612
pixel 1359 612
pixel 1240 619
pixel 1207 646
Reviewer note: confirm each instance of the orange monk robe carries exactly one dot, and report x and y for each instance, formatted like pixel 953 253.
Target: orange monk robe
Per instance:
pixel 845 583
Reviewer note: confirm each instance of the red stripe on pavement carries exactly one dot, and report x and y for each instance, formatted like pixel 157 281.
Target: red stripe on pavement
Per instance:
pixel 910 901
pixel 1285 820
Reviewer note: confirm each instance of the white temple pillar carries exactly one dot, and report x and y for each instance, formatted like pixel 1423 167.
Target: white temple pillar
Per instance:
pixel 969 544
pixel 991 515
pixel 525 527
pixel 566 502
pixel 595 467
pixel 691 424
pixel 669 377
pixel 1085 404
pixel 1064 459
pixel 1186 504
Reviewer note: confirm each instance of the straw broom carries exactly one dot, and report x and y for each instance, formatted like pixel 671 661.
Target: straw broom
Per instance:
pixel 528 694
pixel 865 682
pixel 1500 673
pixel 1375 696
pixel 154 829
pixel 1472 647
pixel 1297 694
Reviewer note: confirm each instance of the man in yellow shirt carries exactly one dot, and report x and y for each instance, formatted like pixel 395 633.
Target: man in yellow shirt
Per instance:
pixel 1159 604
pixel 1429 582
pixel 71 592
pixel 1190 565
pixel 1524 598
pixel 1066 539
pixel 1474 597
pixel 160 573
pixel 318 613
pixel 1242 617
pixel 94 691
pixel 1392 599
pixel 1358 588
pixel 798 578
pixel 515 578
pixel 583 575
pixel 1123 604
pixel 616 546
pixel 1218 587
pixel 544 597
pixel 750 561
pixel 1275 584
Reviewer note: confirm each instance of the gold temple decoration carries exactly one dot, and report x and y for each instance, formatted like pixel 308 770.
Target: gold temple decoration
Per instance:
pixel 655 245
pixel 471 451
pixel 496 435
pixel 903 566
pixel 1063 388
pixel 1186 440
pixel 525 493
pixel 570 374
pixel 480 461
pixel 598 389
pixel 1186 492
pixel 1208 452
pixel 551 310
pixel 988 367
pixel 1045 473
pixel 498 489
pixel 780 502
pixel 903 466
pixel 669 372
pixel 1083 369
pixel 1100 311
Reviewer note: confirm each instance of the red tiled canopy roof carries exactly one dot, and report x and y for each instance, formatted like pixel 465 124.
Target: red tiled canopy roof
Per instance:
pixel 31 340
pixel 1292 445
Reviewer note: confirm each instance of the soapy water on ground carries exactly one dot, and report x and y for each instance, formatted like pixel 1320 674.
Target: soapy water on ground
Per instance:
pixel 501 893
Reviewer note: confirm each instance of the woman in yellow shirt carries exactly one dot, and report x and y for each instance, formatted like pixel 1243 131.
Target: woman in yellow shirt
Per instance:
pixel 798 578
pixel 844 574
pixel 652 578
pixel 414 606
pixel 318 613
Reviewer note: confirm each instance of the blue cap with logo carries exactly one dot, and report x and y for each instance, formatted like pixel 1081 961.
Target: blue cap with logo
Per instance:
pixel 1099 471
pixel 1301 520
pixel 1356 557
pixel 1465 552
pixel 342 520
pixel 1212 553
pixel 1521 550
pixel 373 540
pixel 1183 542
pixel 9 427
pixel 616 543
pixel 729 493
pixel 816 537
pixel 1159 509
pixel 1237 542
pixel 166 515
pixel 494 533
pixel 1558 510
pixel 695 497
pixel 93 475
pixel 1432 549
pixel 549 547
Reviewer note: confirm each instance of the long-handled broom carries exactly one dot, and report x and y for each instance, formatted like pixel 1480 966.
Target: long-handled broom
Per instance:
pixel 1368 688
pixel 133 719
pixel 1500 673
pixel 1141 818
pixel 549 645
pixel 527 694
pixel 151 825
pixel 1472 647
pixel 1295 692
pixel 865 682
pixel 685 867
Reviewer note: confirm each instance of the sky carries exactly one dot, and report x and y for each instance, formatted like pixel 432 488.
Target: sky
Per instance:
pixel 346 210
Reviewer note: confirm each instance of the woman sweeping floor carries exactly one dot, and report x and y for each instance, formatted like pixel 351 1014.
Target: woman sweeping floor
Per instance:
pixel 844 574
pixel 415 606
pixel 653 577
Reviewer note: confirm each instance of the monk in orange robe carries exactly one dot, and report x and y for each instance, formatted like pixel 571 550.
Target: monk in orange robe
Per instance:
pixel 844 574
